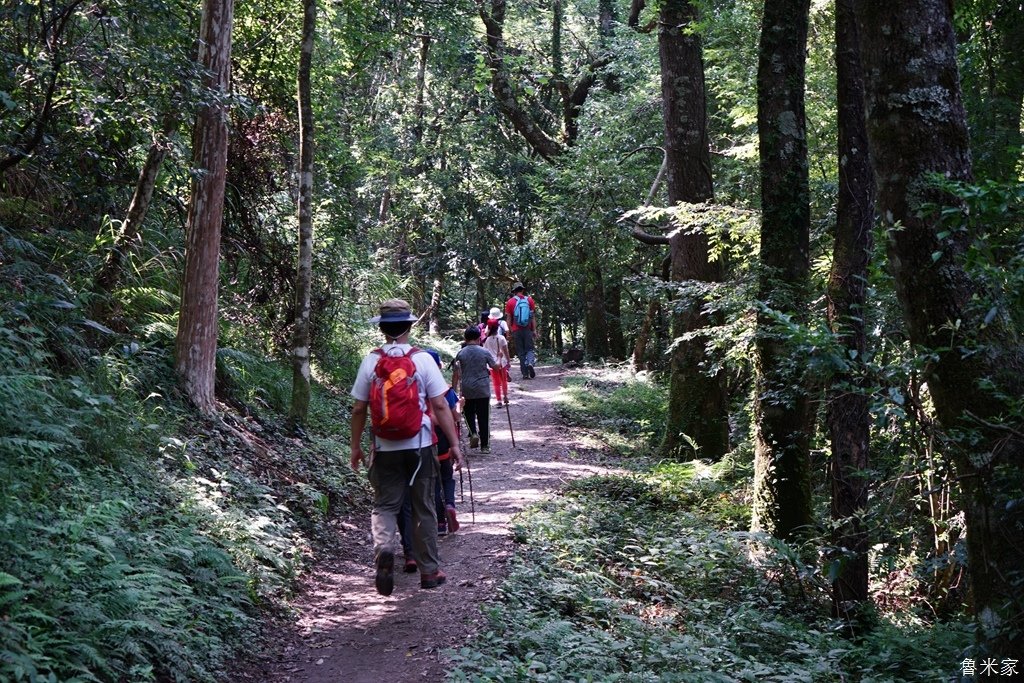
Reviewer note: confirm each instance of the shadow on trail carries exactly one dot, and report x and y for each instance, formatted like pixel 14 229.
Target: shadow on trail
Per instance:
pixel 345 631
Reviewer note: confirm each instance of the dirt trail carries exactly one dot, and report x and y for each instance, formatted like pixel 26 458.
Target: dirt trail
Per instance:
pixel 346 632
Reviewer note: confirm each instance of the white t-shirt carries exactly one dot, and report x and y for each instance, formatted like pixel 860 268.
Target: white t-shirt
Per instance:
pixel 497 343
pixel 431 384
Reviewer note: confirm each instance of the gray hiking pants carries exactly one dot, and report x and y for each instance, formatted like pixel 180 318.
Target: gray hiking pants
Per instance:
pixel 523 339
pixel 390 473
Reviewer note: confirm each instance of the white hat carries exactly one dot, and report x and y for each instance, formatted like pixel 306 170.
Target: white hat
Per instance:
pixel 495 313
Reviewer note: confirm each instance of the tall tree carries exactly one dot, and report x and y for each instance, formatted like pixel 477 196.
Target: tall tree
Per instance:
pixel 196 345
pixel 847 413
pixel 782 496
pixel 304 273
pixel 698 406
pixel 917 129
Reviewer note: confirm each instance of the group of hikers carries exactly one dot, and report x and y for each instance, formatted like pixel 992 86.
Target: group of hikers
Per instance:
pixel 415 422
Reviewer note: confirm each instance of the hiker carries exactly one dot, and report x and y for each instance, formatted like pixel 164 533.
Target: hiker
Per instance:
pixel 520 313
pixel 403 390
pixel 497 345
pixel 474 384
pixel 482 325
pixel 444 491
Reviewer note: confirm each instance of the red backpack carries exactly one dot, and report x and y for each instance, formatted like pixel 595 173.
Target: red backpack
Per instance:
pixel 395 411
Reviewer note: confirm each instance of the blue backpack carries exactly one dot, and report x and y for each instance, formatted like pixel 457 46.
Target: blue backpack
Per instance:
pixel 521 313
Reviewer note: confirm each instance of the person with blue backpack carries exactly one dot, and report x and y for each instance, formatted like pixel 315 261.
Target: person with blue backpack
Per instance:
pixel 521 315
pixel 402 391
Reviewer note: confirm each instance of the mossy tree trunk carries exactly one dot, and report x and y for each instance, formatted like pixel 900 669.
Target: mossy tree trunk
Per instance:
pixel 299 410
pixel 917 128
pixel 698 420
pixel 847 413
pixel 782 495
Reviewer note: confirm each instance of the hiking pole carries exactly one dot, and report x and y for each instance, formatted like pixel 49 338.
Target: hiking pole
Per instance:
pixel 510 432
pixel 472 503
pixel 462 488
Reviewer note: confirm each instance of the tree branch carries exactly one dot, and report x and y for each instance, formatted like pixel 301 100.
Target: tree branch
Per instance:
pixel 501 84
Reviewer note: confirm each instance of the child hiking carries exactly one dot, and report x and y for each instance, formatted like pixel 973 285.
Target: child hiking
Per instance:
pixel 444 492
pixel 403 392
pixel 473 380
pixel 495 343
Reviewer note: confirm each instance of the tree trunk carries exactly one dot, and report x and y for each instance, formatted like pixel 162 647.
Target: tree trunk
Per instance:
pixel 130 234
pixel 304 273
pixel 595 325
pixel 613 313
pixel 975 373
pixel 782 492
pixel 196 344
pixel 697 403
pixel 435 304
pixel 847 412
pixel 643 337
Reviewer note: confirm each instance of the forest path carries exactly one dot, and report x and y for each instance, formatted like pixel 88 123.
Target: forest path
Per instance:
pixel 346 632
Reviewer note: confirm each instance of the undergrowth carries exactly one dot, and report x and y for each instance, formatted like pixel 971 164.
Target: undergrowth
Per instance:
pixel 652 576
pixel 644 577
pixel 138 543
pixel 624 411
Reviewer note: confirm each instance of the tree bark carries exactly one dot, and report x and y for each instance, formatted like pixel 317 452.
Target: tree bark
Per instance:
pixel 595 325
pixel 697 407
pixel 916 126
pixel 299 411
pixel 196 344
pixel 847 413
pixel 782 492
pixel 613 313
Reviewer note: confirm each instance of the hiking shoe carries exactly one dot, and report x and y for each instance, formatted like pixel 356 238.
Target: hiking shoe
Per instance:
pixel 499 404
pixel 453 521
pixel 432 580
pixel 385 581
pixel 442 529
pixel 474 440
pixel 533 373
pixel 410 565
pixel 506 400
pixel 485 450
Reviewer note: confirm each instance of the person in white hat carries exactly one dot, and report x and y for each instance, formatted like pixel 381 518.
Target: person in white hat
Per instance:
pixel 496 343
pixel 399 464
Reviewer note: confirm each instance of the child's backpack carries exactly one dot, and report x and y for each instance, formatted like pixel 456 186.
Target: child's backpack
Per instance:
pixel 521 312
pixel 395 409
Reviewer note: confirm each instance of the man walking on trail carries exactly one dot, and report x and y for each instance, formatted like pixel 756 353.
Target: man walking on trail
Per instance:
pixel 403 390
pixel 520 313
